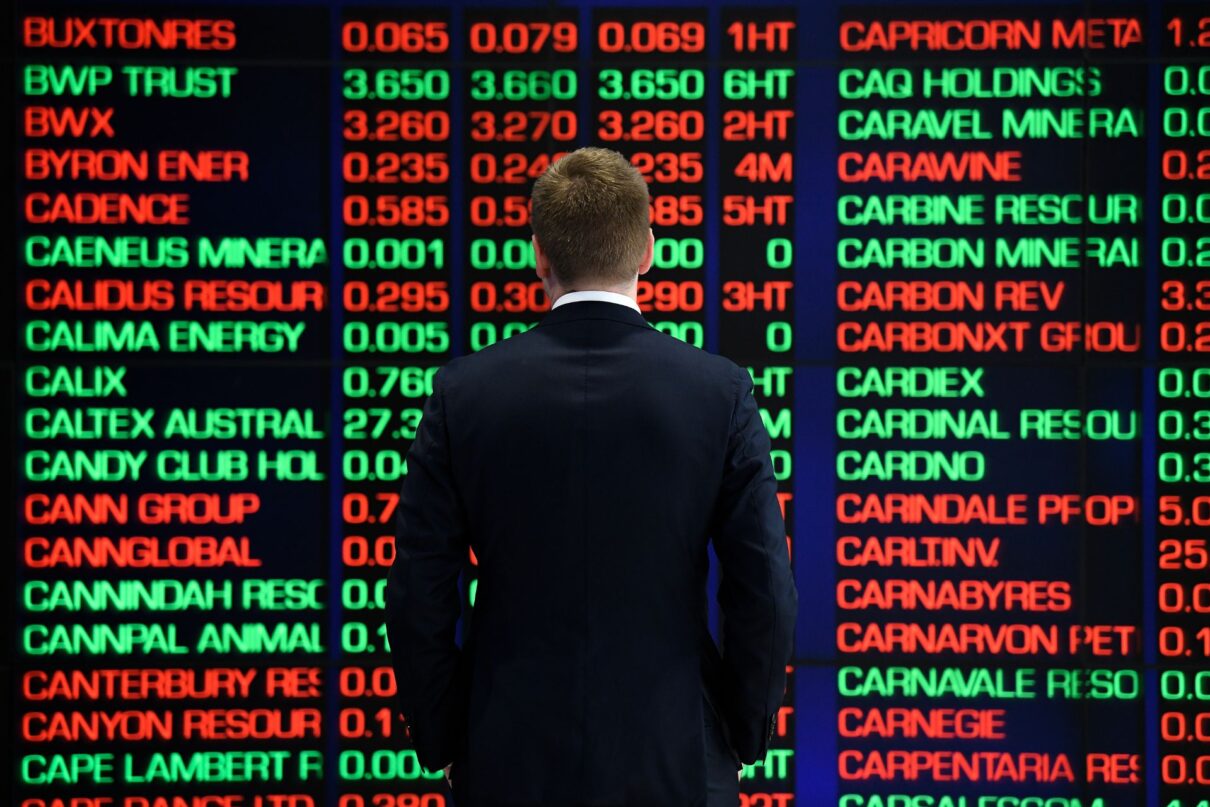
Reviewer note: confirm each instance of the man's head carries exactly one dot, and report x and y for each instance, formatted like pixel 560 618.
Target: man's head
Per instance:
pixel 591 222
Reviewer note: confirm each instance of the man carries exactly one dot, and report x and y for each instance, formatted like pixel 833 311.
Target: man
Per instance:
pixel 587 462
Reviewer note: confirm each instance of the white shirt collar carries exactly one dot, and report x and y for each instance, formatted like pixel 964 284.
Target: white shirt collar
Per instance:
pixel 598 295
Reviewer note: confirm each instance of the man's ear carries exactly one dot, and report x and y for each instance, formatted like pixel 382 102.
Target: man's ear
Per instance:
pixel 650 256
pixel 541 264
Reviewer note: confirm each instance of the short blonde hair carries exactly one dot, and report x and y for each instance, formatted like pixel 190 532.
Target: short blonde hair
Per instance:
pixel 591 215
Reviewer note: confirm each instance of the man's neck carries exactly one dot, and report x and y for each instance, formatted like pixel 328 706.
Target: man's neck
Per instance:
pixel 617 297
pixel 630 291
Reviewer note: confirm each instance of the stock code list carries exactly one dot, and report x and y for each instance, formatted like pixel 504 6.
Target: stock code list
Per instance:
pixel 964 251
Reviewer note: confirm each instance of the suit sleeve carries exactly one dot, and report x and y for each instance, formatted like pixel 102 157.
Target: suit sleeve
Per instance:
pixel 757 597
pixel 423 602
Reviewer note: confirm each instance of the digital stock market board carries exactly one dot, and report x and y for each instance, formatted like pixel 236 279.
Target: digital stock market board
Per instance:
pixel 963 249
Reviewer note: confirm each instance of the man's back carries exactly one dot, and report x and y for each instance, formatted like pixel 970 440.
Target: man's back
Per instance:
pixel 588 462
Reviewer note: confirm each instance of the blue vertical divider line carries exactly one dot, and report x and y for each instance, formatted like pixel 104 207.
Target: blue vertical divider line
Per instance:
pixel 586 125
pixel 815 172
pixel 331 684
pixel 814 280
pixel 1149 378
pixel 456 250
pixel 713 204
pixel 814 406
pixel 814 574
pixel 815 781
pixel 713 211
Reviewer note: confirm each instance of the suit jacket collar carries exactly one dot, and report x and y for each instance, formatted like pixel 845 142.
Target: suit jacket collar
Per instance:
pixel 594 309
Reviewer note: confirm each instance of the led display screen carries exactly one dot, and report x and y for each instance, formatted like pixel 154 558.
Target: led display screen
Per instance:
pixel 964 250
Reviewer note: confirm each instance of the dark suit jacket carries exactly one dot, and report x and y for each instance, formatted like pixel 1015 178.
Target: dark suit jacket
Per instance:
pixel 588 462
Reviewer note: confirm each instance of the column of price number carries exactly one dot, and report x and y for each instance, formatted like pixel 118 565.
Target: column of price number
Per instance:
pixel 649 86
pixel 521 95
pixel 756 265
pixel 396 84
pixel 757 177
pixel 1183 411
